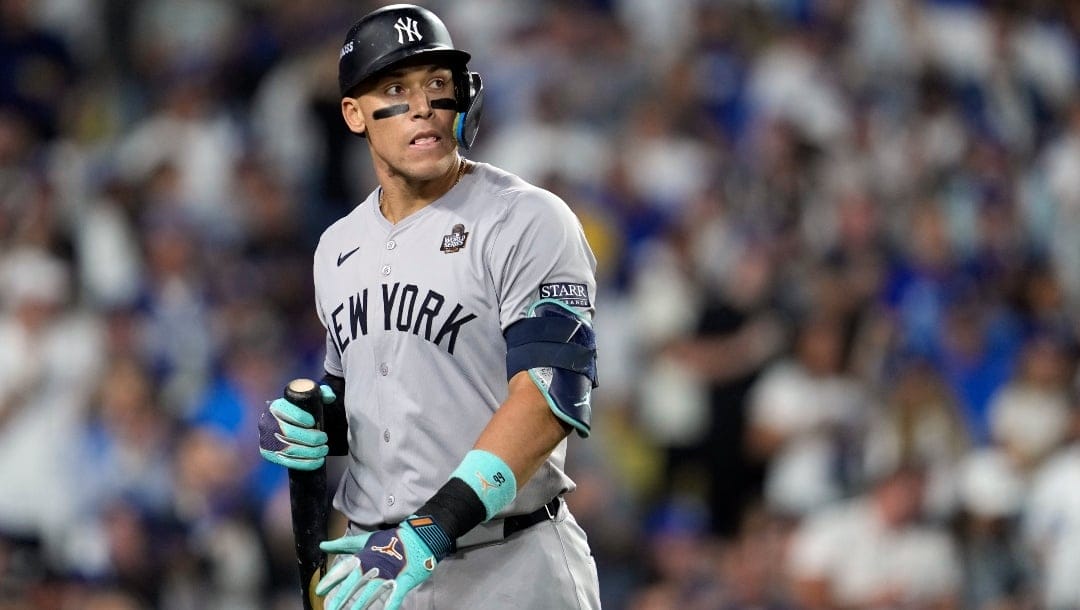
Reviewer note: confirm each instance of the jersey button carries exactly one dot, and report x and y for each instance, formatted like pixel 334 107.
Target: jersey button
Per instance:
pixel 390 500
pixel 386 270
pixel 384 369
pixel 390 245
pixel 386 435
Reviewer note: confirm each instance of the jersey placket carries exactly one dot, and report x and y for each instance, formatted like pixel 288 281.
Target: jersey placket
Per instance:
pixel 386 370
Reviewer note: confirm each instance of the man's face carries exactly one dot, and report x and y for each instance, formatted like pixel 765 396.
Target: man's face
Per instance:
pixel 408 118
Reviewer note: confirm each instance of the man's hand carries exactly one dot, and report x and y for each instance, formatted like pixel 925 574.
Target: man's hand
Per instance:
pixel 287 435
pixel 383 566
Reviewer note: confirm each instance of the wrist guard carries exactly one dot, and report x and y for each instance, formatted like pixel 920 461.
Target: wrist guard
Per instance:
pixel 481 486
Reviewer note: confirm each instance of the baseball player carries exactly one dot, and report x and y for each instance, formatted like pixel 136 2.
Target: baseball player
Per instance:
pixel 457 301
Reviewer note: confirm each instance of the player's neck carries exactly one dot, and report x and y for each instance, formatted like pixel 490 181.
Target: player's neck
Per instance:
pixel 400 197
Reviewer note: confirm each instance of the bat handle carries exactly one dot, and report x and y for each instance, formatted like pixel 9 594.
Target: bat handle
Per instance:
pixel 307 491
pixel 305 394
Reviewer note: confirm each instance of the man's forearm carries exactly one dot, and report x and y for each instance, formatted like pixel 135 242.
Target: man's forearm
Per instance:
pixel 524 431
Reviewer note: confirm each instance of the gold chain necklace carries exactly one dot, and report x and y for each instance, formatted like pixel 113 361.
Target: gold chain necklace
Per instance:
pixel 462 166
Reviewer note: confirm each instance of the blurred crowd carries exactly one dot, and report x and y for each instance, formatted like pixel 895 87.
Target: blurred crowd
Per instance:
pixel 838 310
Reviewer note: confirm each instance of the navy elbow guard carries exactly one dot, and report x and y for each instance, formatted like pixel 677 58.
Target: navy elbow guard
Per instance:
pixel 557 346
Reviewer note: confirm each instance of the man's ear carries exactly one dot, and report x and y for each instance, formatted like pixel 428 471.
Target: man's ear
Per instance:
pixel 354 118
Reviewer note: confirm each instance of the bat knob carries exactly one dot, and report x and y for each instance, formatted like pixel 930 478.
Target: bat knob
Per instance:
pixel 301 386
pixel 304 393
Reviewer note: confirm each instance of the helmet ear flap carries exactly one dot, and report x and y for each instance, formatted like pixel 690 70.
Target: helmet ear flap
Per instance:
pixel 470 102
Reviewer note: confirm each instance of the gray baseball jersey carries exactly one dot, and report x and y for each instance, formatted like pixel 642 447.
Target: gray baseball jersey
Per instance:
pixel 415 313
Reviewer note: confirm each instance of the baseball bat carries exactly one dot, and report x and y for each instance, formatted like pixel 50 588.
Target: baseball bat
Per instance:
pixel 307 498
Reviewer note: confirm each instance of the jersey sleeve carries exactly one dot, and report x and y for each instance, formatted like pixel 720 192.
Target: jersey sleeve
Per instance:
pixel 541 252
pixel 332 361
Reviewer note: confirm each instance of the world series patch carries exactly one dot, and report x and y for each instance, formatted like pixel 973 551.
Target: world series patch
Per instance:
pixel 455 240
pixel 575 295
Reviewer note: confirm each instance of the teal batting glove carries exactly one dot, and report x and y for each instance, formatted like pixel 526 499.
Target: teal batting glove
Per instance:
pixel 287 434
pixel 383 566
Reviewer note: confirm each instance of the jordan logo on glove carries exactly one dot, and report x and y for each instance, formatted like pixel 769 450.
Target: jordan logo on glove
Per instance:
pixel 390 549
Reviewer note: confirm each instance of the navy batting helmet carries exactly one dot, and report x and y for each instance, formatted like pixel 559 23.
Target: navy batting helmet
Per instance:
pixel 390 35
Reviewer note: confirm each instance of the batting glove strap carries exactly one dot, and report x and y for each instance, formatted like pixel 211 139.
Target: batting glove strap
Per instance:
pixel 454 509
pixel 433 535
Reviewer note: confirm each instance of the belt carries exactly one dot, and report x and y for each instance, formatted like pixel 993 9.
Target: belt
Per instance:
pixel 497 529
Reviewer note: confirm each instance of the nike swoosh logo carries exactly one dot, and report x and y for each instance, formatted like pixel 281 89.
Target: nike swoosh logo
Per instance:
pixel 341 257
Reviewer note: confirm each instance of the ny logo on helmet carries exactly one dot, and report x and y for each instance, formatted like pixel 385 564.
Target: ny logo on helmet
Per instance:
pixel 407 26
